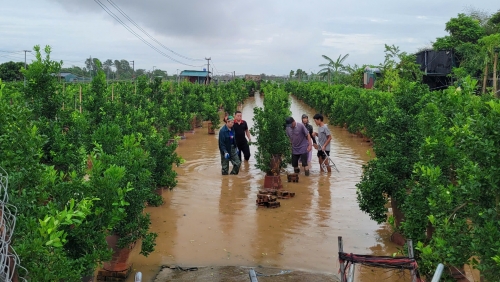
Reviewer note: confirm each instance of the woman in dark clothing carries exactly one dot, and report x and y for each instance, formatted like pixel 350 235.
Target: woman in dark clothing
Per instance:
pixel 305 121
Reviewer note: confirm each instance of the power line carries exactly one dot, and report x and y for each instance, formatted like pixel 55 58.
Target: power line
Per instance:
pixel 147 34
pixel 221 71
pixel 215 67
pixel 11 56
pixel 10 51
pixel 109 12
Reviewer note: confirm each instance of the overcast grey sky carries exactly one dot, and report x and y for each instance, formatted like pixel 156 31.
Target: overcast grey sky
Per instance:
pixel 258 36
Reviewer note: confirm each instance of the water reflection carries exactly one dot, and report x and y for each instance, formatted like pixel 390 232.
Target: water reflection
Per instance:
pixel 213 220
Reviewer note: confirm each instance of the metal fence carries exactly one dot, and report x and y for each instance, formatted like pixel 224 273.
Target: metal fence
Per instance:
pixel 9 261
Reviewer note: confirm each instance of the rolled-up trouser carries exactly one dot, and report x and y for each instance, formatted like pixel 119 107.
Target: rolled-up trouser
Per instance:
pixel 322 156
pixel 233 157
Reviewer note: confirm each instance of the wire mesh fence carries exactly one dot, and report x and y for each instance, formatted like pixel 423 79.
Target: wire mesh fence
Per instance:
pixel 9 261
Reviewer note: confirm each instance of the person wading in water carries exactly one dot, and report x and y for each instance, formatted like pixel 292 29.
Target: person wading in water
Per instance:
pixel 301 144
pixel 228 149
pixel 305 121
pixel 241 129
pixel 324 138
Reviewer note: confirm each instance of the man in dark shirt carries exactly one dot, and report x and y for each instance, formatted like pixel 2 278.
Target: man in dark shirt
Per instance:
pixel 305 121
pixel 241 129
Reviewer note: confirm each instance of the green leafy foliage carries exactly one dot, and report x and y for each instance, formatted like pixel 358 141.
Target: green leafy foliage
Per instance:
pixel 436 154
pixel 269 127
pixel 11 71
pixel 84 159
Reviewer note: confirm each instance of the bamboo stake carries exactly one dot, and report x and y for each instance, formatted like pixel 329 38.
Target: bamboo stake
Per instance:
pixel 495 74
pixel 64 94
pixel 80 99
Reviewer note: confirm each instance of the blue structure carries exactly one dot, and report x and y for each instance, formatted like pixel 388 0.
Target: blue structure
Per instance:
pixel 194 76
pixel 69 77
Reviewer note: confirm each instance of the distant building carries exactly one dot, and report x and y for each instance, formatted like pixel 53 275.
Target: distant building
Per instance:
pixel 69 77
pixel 369 77
pixel 194 76
pixel 255 78
pixel 436 65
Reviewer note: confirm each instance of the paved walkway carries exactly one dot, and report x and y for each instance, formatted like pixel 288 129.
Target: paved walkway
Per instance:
pixel 238 274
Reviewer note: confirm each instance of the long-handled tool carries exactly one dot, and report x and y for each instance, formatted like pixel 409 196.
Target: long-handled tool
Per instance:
pixel 327 161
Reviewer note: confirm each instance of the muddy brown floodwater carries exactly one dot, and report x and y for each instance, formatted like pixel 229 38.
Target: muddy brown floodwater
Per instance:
pixel 212 220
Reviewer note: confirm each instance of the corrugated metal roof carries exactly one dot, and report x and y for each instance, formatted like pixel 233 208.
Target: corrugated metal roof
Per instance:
pixel 194 73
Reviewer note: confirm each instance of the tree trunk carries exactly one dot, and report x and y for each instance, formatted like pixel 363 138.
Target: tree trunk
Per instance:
pixel 485 78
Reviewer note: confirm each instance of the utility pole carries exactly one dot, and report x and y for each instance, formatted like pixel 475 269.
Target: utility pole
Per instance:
pixel 133 70
pixel 208 70
pixel 91 67
pixel 153 73
pixel 25 65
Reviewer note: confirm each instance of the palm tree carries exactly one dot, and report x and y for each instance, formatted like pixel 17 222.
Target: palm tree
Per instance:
pixel 332 66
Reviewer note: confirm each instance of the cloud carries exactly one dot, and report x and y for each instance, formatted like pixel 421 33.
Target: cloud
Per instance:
pixel 246 37
pixel 358 43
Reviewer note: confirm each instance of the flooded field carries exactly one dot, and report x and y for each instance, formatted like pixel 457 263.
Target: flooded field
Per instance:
pixel 212 220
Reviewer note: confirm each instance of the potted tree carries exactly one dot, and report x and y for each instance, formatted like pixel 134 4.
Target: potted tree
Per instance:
pixel 135 225
pixel 211 114
pixel 272 142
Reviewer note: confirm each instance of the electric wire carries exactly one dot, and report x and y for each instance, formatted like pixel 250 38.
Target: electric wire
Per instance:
pixel 147 34
pixel 3 51
pixel 214 67
pixel 11 56
pixel 220 72
pixel 109 12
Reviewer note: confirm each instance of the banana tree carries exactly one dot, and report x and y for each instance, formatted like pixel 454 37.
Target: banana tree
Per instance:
pixel 332 66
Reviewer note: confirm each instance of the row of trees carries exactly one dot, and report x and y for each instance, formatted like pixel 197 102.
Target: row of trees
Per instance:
pixel 113 69
pixel 83 160
pixel 436 163
pixel 436 151
pixel 475 38
pixel 119 69
pixel 334 71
